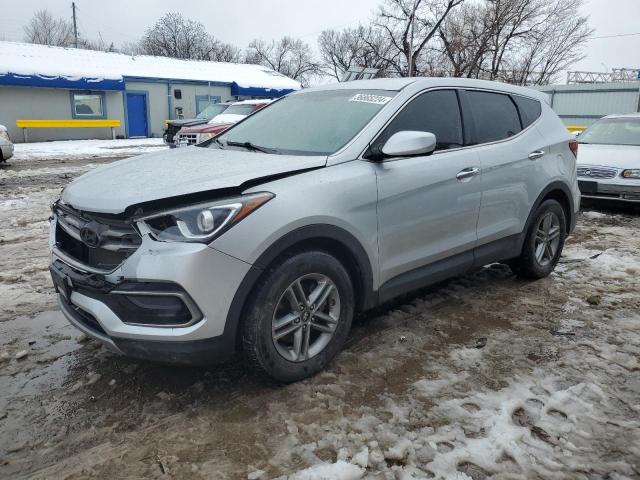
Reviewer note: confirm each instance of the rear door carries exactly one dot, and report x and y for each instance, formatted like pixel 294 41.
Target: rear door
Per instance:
pixel 425 212
pixel 510 158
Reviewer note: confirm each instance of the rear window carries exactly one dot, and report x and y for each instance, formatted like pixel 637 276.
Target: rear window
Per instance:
pixel 243 109
pixel 495 115
pixel 530 109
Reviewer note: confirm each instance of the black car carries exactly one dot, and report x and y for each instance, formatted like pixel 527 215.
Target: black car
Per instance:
pixel 173 126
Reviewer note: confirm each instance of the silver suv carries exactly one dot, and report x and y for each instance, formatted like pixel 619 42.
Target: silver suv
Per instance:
pixel 266 239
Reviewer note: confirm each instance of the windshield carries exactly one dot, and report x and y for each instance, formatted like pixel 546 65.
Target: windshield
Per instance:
pixel 613 131
pixel 212 110
pixel 313 123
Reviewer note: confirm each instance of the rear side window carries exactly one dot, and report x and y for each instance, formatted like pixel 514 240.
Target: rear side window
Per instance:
pixel 530 109
pixel 437 112
pixel 495 115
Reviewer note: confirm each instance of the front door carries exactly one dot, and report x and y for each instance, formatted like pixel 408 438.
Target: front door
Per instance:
pixel 137 122
pixel 426 211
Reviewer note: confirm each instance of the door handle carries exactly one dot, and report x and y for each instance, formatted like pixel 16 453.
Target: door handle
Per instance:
pixel 467 174
pixel 536 155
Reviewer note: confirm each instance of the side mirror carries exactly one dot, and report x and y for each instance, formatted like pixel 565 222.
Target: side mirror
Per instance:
pixel 409 142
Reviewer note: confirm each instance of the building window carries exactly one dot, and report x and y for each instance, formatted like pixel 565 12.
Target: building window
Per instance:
pixel 87 105
pixel 177 94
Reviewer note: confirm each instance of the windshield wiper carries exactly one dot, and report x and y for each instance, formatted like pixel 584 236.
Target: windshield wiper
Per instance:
pixel 251 146
pixel 219 143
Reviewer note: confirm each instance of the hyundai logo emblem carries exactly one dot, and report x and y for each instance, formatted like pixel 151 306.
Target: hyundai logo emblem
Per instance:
pixel 587 173
pixel 91 234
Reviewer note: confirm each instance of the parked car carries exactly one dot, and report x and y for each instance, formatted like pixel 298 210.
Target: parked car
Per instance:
pixel 609 163
pixel 266 239
pixel 173 126
pixel 6 146
pixel 191 135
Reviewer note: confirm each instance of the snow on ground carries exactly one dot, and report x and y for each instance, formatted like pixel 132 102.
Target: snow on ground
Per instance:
pixel 486 376
pixel 85 149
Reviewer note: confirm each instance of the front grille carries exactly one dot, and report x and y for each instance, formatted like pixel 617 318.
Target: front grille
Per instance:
pixel 118 238
pixel 597 172
pixel 187 138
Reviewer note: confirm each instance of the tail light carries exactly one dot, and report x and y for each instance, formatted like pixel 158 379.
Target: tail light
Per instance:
pixel 573 146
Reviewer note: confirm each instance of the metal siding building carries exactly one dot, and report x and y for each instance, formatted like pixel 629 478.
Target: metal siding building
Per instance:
pixel 583 104
pixel 38 82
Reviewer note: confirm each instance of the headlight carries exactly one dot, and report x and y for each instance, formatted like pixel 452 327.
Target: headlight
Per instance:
pixel 631 173
pixel 5 135
pixel 202 222
pixel 205 136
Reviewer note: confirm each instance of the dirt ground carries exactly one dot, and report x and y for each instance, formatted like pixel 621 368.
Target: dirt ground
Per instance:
pixel 485 376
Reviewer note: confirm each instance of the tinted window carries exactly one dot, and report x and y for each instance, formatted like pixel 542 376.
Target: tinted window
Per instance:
pixel 495 116
pixel 436 112
pixel 530 109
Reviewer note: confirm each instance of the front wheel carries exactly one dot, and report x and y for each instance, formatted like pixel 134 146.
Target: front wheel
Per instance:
pixel 299 317
pixel 544 242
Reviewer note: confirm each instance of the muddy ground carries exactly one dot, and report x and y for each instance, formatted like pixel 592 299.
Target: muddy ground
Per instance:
pixel 485 376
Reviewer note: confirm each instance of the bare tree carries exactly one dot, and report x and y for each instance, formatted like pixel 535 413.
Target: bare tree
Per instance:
pixel 177 37
pixel 516 41
pixel 45 29
pixel 556 41
pixel 409 26
pixel 289 56
pixel 353 47
pixel 225 52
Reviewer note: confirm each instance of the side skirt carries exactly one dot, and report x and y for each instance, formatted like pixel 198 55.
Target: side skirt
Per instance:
pixel 496 251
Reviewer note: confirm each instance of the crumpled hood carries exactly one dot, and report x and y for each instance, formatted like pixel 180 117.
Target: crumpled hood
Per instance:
pixel 154 176
pixel 617 156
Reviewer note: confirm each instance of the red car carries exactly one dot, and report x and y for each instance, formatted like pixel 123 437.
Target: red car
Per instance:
pixel 218 124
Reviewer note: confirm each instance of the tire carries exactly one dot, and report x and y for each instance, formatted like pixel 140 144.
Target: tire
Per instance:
pixel 531 264
pixel 270 314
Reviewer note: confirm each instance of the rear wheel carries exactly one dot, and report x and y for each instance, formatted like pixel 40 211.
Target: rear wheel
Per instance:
pixel 544 242
pixel 299 317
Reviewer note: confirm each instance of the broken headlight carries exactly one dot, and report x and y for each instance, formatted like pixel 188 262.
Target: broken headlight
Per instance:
pixel 201 222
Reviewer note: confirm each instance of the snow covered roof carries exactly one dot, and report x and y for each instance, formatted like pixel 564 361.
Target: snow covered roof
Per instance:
pixel 40 65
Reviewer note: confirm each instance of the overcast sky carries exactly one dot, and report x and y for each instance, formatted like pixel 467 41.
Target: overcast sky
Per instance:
pixel 239 21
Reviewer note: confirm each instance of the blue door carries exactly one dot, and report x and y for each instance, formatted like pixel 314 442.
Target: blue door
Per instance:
pixel 137 115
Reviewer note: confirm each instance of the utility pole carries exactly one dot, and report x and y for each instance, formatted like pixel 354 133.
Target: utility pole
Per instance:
pixel 75 25
pixel 413 22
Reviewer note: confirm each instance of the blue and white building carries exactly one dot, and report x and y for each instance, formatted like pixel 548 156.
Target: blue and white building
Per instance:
pixel 39 82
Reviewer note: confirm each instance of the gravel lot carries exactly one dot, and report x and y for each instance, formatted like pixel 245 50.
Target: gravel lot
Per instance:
pixel 485 376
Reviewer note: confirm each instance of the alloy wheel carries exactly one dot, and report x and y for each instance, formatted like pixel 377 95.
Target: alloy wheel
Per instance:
pixel 547 239
pixel 306 317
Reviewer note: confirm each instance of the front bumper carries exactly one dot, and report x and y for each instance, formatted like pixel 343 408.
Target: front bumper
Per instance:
pixel 204 279
pixel 622 190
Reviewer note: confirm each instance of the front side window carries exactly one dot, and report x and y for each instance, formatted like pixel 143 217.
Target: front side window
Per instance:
pixel 613 131
pixel 437 112
pixel 87 105
pixel 309 123
pixel 495 115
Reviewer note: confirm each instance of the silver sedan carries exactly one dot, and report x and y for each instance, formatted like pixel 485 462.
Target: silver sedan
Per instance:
pixel 609 159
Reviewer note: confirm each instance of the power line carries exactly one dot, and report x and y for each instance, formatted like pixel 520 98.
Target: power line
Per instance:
pixel 616 36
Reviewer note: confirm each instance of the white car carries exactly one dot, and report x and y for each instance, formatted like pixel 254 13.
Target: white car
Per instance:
pixel 609 159
pixel 6 147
